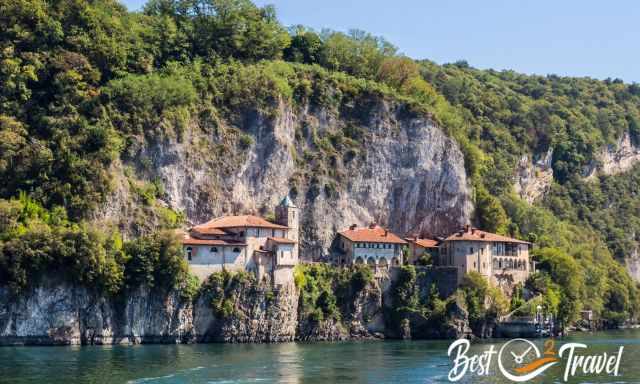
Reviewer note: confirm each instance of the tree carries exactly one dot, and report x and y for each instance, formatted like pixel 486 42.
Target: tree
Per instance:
pixel 306 47
pixel 565 272
pixel 489 212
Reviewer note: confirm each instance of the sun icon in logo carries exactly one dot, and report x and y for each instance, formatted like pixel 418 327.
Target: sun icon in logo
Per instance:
pixel 527 361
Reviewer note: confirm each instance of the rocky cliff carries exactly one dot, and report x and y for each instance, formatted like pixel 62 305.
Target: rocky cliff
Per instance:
pixel 534 176
pixel 614 159
pixel 233 310
pixel 58 313
pixel 375 162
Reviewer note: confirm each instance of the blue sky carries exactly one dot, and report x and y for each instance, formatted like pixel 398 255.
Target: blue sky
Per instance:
pixel 566 37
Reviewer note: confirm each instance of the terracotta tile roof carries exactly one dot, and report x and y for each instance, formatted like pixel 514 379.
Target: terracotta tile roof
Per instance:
pixel 188 240
pixel 474 234
pixel 238 221
pixel 425 243
pixel 281 240
pixel 208 231
pixel 371 235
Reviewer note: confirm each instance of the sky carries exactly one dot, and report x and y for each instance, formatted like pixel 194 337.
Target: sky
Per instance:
pixel 592 38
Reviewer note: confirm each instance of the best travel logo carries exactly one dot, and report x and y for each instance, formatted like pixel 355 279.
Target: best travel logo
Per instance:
pixel 520 360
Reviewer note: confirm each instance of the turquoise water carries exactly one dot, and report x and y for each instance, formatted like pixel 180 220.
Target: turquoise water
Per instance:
pixel 361 362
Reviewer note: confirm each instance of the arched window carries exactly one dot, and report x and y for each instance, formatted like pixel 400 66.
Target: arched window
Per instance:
pixel 189 253
pixel 359 260
pixel 236 250
pixel 213 250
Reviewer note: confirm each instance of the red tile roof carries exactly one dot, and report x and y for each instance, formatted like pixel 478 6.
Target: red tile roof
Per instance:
pixel 238 221
pixel 188 240
pixel 208 231
pixel 281 240
pixel 425 243
pixel 372 235
pixel 474 234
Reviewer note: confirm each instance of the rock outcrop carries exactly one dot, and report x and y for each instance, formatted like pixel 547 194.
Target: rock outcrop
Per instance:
pixel 233 311
pixel 58 313
pixel 614 159
pixel 534 177
pixel 257 315
pixel 402 172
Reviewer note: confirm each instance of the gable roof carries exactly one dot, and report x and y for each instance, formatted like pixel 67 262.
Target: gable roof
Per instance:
pixel 371 235
pixel 201 230
pixel 237 221
pixel 425 243
pixel 188 240
pixel 281 240
pixel 474 234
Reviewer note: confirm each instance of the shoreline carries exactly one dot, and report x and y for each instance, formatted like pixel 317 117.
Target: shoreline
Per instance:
pixel 161 340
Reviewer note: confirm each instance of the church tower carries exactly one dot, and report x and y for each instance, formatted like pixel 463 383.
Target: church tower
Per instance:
pixel 288 214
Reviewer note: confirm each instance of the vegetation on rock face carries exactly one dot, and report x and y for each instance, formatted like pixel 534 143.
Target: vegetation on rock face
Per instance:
pixel 85 85
pixel 485 303
pixel 407 300
pixel 223 290
pixel 37 244
pixel 326 291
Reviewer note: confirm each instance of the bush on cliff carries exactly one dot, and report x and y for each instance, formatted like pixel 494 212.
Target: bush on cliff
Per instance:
pixel 408 301
pixel 37 244
pixel 223 290
pixel 485 302
pixel 326 290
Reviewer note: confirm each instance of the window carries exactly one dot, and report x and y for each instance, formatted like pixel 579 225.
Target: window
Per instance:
pixel 189 252
pixel 241 233
pixel 213 250
pixel 471 250
pixel 236 250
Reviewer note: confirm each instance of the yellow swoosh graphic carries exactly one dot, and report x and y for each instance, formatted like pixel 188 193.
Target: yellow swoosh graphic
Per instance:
pixel 535 364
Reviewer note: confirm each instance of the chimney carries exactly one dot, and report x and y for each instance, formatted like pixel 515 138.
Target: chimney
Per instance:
pixel 466 228
pixel 473 230
pixel 353 226
pixel 385 233
pixel 372 225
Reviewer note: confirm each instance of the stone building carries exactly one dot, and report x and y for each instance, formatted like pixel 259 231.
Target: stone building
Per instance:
pixel 373 245
pixel 246 243
pixel 502 260
pixel 417 248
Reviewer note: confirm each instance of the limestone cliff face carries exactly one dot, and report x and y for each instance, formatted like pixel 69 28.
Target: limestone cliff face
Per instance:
pixel 57 313
pixel 534 176
pixel 402 171
pixel 614 159
pixel 257 316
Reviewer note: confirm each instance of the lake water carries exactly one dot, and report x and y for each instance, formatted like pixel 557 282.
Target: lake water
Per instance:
pixel 347 362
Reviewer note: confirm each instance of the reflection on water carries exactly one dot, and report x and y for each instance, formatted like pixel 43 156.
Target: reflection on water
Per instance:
pixel 362 362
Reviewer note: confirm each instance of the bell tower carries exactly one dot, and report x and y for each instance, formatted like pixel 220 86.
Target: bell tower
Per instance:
pixel 288 214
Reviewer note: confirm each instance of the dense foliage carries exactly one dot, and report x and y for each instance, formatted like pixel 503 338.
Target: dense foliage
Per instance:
pixel 326 292
pixel 409 299
pixel 37 244
pixel 83 84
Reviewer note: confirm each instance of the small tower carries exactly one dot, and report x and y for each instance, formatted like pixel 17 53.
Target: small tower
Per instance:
pixel 288 214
